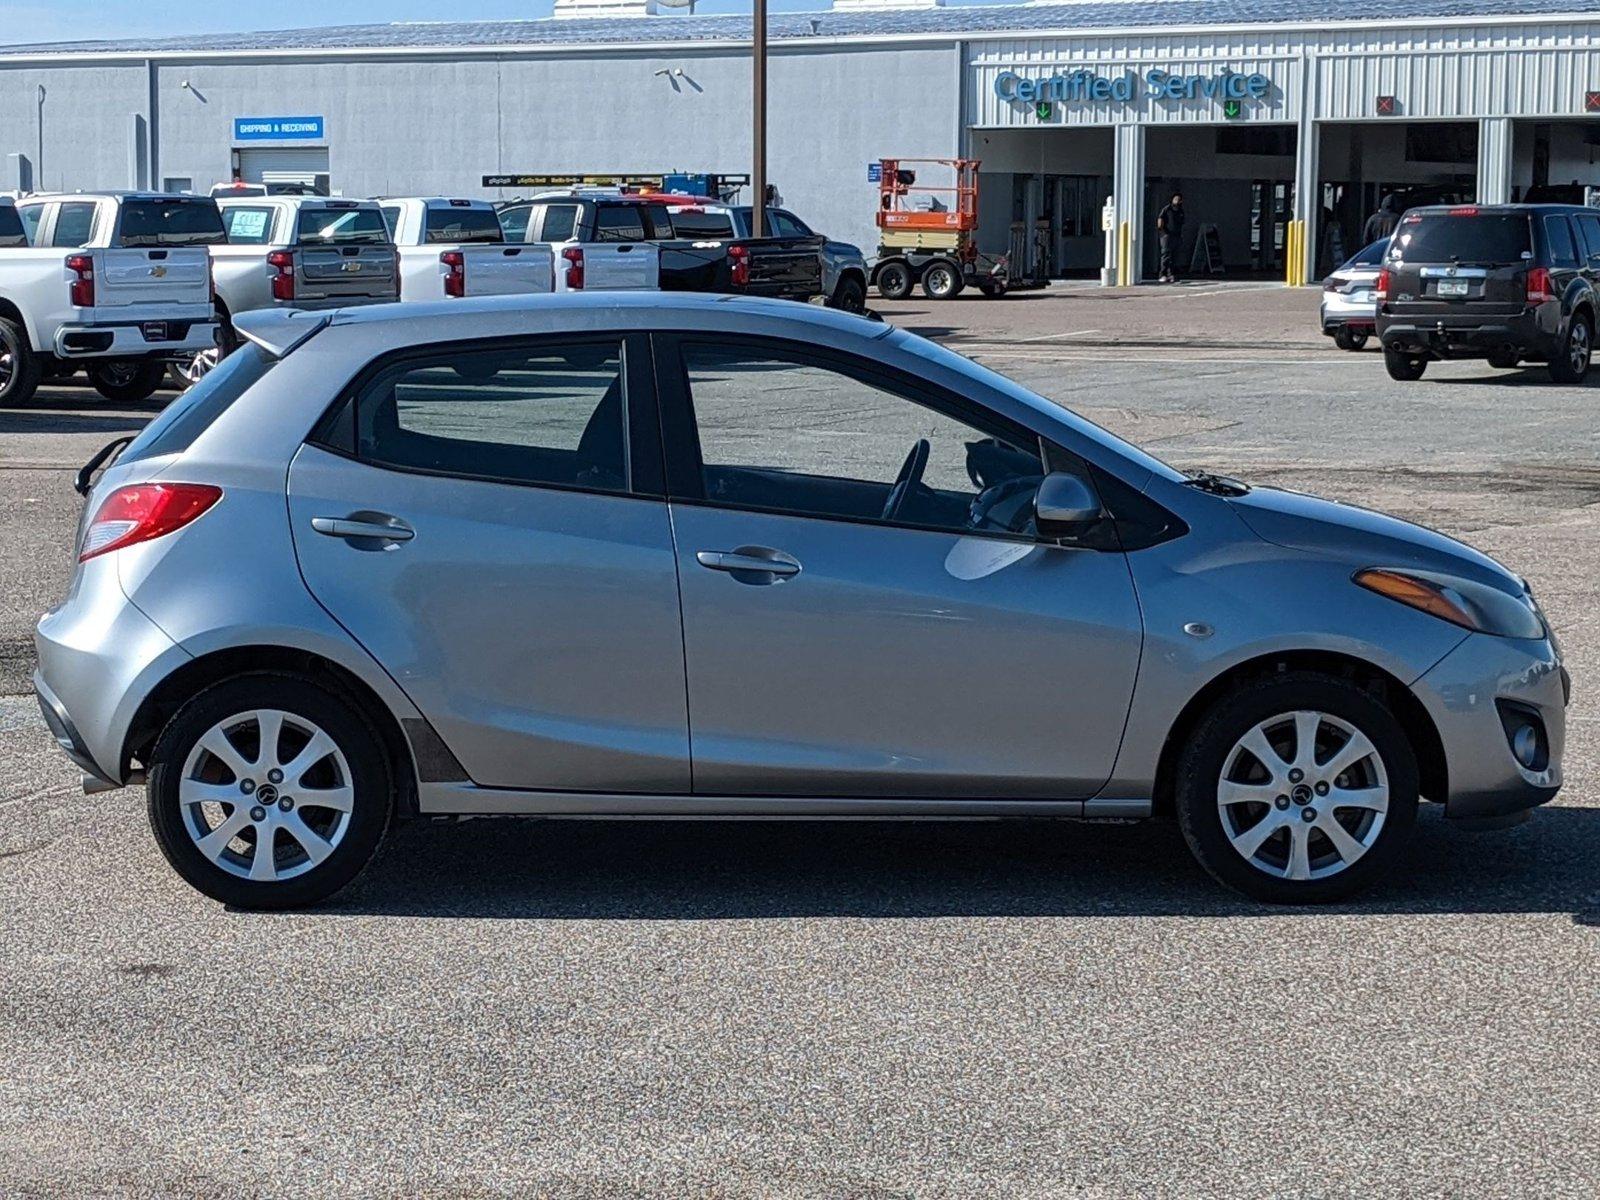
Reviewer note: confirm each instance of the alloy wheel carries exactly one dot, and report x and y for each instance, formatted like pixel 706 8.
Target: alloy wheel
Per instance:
pixel 1303 795
pixel 1578 347
pixel 266 795
pixel 193 370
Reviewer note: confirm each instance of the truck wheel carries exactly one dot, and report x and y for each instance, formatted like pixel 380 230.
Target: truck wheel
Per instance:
pixel 941 281
pixel 894 281
pixel 849 296
pixel 1404 366
pixel 1347 338
pixel 127 380
pixel 993 288
pixel 19 366
pixel 1571 363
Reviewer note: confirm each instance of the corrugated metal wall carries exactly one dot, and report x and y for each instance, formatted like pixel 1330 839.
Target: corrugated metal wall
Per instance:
pixel 1522 69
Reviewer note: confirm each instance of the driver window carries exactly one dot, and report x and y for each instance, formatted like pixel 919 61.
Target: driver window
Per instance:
pixel 787 435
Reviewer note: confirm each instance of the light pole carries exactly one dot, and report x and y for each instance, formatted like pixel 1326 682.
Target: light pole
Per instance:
pixel 758 89
pixel 38 159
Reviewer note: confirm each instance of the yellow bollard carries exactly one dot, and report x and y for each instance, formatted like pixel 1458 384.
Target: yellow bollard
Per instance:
pixel 1125 255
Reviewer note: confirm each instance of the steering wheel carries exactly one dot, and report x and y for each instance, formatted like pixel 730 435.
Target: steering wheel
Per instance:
pixel 910 475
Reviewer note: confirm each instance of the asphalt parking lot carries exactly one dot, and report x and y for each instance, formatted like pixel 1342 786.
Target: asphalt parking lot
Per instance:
pixel 852 1010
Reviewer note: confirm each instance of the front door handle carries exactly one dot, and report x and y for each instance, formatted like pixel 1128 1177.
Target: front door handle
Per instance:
pixel 750 564
pixel 364 526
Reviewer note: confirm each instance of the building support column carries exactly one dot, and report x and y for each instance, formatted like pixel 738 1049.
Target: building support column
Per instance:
pixel 1301 247
pixel 1127 193
pixel 1494 160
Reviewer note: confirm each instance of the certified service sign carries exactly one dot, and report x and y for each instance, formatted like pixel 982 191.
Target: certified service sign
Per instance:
pixel 278 129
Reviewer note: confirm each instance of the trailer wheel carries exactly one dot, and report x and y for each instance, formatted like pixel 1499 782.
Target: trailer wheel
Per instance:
pixel 941 280
pixel 993 288
pixel 894 280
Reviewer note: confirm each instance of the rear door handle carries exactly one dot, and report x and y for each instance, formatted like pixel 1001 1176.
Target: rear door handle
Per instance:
pixel 750 560
pixel 391 530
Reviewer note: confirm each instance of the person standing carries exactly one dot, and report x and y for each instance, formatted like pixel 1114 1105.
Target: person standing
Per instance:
pixel 1382 223
pixel 1169 229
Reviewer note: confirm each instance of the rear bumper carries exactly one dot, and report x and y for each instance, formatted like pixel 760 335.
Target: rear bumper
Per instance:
pixel 134 339
pixel 1338 312
pixel 1464 694
pixel 1467 336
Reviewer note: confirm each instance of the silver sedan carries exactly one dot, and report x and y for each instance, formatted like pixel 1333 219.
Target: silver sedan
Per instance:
pixel 1349 309
pixel 620 555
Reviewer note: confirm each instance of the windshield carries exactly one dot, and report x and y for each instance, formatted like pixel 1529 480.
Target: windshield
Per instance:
pixel 342 227
pixel 933 353
pixel 1466 236
pixel 196 222
pixel 192 413
pixel 463 225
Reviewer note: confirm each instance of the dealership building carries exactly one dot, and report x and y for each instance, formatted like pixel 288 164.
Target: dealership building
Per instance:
pixel 1283 122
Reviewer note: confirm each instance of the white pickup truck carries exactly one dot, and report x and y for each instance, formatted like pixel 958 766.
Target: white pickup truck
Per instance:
pixel 601 238
pixel 452 248
pixel 117 282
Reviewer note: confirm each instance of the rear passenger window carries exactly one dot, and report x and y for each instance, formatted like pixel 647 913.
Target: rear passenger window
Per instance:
pixel 544 416
pixel 560 223
pixel 1590 228
pixel 74 225
pixel 1563 251
pixel 515 223
pixel 617 223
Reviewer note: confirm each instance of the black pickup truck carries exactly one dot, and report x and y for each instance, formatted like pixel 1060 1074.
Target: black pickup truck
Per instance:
pixel 789 268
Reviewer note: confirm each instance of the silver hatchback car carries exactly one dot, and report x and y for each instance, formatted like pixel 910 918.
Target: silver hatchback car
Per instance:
pixel 598 556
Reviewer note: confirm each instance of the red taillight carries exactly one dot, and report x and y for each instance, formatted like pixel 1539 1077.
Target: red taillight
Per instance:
pixel 455 279
pixel 81 290
pixel 739 265
pixel 282 263
pixel 574 259
pixel 1381 288
pixel 143 511
pixel 1540 287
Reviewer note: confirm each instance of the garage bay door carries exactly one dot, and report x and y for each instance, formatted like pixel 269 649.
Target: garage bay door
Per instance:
pixel 284 164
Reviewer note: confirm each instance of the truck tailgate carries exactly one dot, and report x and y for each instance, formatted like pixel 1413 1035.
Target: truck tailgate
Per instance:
pixel 785 267
pixel 509 270
pixel 346 272
pixel 621 266
pixel 152 275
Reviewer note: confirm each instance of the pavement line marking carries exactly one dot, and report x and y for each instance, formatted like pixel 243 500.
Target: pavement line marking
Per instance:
pixel 1045 337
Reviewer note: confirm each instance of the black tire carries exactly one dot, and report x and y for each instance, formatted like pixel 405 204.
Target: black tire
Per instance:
pixel 1402 366
pixel 850 295
pixel 1209 748
pixel 475 370
pixel 20 370
pixel 371 786
pixel 1571 363
pixel 127 380
pixel 1347 338
pixel 1505 360
pixel 994 289
pixel 941 280
pixel 894 280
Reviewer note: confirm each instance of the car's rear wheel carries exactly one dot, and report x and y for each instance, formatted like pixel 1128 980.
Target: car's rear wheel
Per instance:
pixel 894 281
pixel 1299 788
pixel 1347 338
pixel 127 380
pixel 267 791
pixel 20 369
pixel 1571 364
pixel 1403 366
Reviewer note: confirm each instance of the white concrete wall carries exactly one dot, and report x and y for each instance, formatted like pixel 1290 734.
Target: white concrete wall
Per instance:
pixel 438 126
pixel 88 115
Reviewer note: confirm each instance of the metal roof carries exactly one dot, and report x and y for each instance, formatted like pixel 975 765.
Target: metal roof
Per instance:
pixel 961 20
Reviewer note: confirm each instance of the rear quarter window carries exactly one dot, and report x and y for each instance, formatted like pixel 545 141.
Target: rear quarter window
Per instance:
pixel 192 413
pixel 1563 250
pixel 1462 237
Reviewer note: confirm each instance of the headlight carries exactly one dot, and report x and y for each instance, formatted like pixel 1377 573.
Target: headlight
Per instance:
pixel 1462 602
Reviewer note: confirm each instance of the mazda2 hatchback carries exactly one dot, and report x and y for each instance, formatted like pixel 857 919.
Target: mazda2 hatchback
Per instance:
pixel 683 555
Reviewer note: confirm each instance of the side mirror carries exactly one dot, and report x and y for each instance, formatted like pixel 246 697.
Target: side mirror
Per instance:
pixel 1064 505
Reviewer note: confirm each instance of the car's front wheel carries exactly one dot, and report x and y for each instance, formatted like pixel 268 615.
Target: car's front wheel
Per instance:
pixel 268 791
pixel 850 295
pixel 1298 788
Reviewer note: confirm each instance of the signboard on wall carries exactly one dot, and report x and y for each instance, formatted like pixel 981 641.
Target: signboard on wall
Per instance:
pixel 278 129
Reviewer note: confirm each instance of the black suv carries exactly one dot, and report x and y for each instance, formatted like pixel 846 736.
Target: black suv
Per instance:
pixel 1507 283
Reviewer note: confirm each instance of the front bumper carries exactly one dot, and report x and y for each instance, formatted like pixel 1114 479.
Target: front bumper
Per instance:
pixel 1461 692
pixel 135 339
